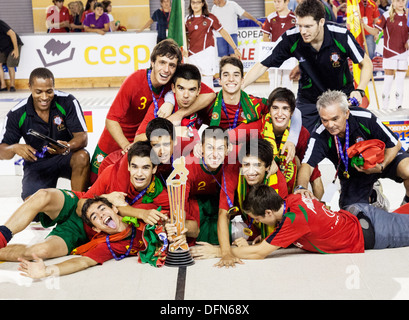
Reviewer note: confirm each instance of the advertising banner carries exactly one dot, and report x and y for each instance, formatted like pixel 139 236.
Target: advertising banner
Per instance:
pixel 86 54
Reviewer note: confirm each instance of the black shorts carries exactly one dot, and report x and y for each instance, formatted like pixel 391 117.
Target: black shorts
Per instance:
pixel 45 173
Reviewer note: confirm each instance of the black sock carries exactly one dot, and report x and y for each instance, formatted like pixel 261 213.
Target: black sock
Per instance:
pixel 6 233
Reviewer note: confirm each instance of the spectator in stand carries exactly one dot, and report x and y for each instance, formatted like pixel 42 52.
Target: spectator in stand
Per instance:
pixel 200 24
pixel 58 17
pixel 340 10
pixel 273 27
pixel 369 14
pixel 228 12
pixel 89 8
pixel 161 16
pixel 10 47
pixel 98 21
pixel 113 26
pixel 395 49
pixel 76 8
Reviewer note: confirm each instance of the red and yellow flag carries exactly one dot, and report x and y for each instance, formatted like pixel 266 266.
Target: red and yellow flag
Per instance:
pixel 354 25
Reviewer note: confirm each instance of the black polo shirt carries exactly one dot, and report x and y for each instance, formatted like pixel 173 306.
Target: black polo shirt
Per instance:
pixel 6 46
pixel 66 117
pixel 363 125
pixel 320 70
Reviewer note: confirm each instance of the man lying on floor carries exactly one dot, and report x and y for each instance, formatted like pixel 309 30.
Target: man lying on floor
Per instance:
pixel 114 237
pixel 309 225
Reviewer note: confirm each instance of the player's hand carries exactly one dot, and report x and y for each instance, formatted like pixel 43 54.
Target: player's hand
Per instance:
pixel 165 110
pixel 307 193
pixel 33 269
pixel 228 260
pixel 376 169
pixel 53 149
pixel 241 242
pixel 203 250
pixel 153 216
pixel 357 95
pixel 25 151
pixel 116 198
pixel 290 147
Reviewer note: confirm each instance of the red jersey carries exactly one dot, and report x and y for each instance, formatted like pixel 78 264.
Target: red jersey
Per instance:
pixel 57 17
pixel 129 108
pixel 369 12
pixel 275 26
pixel 101 252
pixel 395 34
pixel 116 178
pixel 309 225
pixel 200 32
pixel 200 182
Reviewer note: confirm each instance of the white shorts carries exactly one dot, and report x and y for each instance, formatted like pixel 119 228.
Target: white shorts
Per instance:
pixel 205 60
pixel 398 62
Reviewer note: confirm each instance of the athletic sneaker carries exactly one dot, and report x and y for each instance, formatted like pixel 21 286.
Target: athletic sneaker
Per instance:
pixel 378 199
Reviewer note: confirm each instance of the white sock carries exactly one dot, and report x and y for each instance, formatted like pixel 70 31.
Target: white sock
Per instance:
pixel 400 82
pixel 387 84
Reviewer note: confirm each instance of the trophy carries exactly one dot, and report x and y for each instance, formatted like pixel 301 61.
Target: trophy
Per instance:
pixel 178 255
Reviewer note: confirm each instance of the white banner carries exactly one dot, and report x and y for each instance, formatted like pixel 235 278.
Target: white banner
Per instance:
pixel 76 55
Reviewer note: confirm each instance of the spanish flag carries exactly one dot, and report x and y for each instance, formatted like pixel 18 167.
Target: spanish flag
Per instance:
pixel 354 25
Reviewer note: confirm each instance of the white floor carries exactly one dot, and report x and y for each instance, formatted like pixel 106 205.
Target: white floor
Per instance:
pixel 287 274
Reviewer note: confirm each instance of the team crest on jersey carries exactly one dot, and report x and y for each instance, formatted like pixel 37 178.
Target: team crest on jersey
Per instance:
pixel 58 121
pixel 335 60
pixel 98 160
pixel 215 116
pixel 359 139
pixel 205 23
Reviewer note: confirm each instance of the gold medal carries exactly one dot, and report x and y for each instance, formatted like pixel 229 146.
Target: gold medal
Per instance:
pixel 346 174
pixel 248 232
pixel 233 210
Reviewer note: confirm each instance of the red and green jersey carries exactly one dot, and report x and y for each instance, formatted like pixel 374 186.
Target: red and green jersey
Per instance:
pixel 129 108
pixel 116 177
pixel 310 225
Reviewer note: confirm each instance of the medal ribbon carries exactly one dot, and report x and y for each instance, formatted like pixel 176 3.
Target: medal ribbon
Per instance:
pixel 229 202
pixel 236 115
pixel 155 102
pixel 127 252
pixel 343 154
pixel 140 195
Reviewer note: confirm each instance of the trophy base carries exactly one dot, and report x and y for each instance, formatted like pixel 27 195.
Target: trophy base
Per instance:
pixel 179 258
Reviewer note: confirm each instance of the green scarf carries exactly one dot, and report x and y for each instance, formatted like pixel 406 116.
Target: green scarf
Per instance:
pixel 250 110
pixel 155 188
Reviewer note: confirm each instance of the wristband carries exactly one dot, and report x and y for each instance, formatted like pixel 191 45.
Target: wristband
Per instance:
pixel 299 187
pixel 381 164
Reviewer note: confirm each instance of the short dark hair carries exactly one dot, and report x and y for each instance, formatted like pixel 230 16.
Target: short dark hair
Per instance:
pixel 143 149
pixel 216 132
pixel 188 72
pixel 233 61
pixel 169 48
pixel 259 148
pixel 90 202
pixel 42 73
pixel 284 95
pixel 261 198
pixel 160 127
pixel 313 8
pixel 98 5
